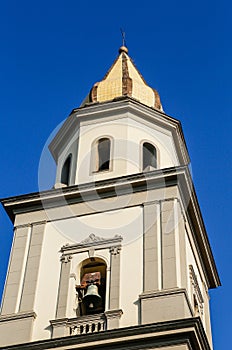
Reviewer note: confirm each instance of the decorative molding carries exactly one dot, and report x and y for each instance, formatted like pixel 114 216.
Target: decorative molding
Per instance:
pixel 65 258
pixel 144 204
pixel 22 226
pixel 198 299
pixel 18 316
pixel 59 322
pixel 206 290
pixel 195 284
pixel 169 199
pixel 31 224
pixel 115 250
pixel 167 292
pixel 113 314
pixel 85 319
pixel 42 222
pixel 189 332
pixel 92 239
pixel 97 186
pixel 90 244
pixel 159 293
pixel 176 176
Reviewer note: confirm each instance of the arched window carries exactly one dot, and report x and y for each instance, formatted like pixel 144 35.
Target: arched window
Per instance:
pixel 92 289
pixel 65 173
pixel 149 156
pixel 103 154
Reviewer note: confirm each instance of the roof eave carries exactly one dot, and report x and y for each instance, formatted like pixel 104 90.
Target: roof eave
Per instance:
pixel 82 113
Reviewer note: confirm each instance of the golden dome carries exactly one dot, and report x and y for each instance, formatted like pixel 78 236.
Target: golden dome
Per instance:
pixel 123 79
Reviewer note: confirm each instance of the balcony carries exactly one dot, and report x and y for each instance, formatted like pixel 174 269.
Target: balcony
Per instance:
pixel 87 324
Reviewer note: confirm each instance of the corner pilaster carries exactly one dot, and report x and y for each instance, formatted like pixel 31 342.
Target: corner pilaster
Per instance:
pixel 63 286
pixel 114 277
pixel 165 266
pixel 152 274
pixel 113 318
pixel 32 267
pixel 13 288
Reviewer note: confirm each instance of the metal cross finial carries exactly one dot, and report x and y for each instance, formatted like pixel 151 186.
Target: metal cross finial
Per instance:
pixel 123 37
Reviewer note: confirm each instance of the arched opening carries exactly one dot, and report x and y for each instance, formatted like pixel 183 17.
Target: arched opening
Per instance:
pixel 65 173
pixel 149 156
pixel 92 289
pixel 103 154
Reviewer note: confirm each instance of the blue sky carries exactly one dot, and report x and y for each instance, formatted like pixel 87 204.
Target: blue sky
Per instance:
pixel 53 51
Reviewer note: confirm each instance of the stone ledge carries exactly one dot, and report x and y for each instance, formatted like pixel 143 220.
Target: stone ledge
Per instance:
pixel 189 332
pixel 113 313
pixel 167 293
pixel 164 292
pixel 18 316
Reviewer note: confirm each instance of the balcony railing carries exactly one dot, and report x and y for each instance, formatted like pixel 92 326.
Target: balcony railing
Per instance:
pixel 87 324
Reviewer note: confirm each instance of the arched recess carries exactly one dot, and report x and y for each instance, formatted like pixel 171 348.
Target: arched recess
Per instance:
pixel 92 289
pixel 66 169
pixel 101 154
pixel 149 156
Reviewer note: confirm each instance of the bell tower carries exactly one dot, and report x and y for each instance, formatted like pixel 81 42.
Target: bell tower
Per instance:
pixel 116 253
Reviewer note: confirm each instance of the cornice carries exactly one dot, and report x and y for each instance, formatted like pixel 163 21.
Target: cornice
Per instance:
pixel 141 182
pixel 17 316
pixel 94 242
pixel 122 105
pixel 185 331
pixel 109 188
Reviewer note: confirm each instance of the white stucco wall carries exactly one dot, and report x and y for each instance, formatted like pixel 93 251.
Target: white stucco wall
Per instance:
pixel 127 137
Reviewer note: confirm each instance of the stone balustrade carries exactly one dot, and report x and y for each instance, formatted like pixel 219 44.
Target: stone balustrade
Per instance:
pixel 87 324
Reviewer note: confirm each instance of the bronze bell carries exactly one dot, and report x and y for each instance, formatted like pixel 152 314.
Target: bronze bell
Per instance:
pixel 92 299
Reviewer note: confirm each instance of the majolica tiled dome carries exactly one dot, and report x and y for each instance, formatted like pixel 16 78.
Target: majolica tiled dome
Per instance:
pixel 123 79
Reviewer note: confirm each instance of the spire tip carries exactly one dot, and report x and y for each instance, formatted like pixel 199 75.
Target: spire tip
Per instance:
pixel 123 49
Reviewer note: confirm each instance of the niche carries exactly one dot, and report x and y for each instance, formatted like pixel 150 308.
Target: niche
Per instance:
pixel 92 289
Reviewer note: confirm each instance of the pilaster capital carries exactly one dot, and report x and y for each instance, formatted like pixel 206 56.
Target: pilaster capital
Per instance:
pixel 115 250
pixel 113 314
pixel 65 258
pixel 154 202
